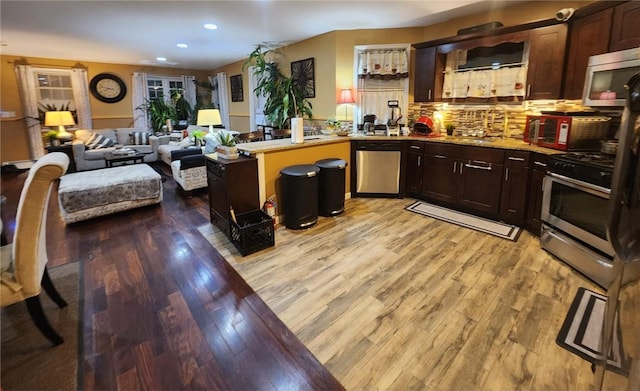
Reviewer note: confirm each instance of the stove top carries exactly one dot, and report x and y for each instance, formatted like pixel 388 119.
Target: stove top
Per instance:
pixel 591 167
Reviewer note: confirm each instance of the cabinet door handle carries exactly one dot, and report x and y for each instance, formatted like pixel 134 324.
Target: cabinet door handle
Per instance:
pixel 528 90
pixel 517 159
pixel 429 93
pixel 540 163
pixel 440 156
pixel 506 175
pixel 414 147
pixel 419 160
pixel 455 167
pixel 479 167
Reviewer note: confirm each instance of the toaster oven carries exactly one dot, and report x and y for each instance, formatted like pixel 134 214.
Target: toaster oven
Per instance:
pixel 566 132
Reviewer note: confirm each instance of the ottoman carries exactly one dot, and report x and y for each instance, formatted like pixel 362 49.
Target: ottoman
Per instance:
pixel 88 194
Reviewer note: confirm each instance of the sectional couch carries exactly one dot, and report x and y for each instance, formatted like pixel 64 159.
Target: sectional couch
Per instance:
pixel 90 159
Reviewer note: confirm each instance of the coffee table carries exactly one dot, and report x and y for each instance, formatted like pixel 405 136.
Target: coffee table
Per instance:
pixel 110 158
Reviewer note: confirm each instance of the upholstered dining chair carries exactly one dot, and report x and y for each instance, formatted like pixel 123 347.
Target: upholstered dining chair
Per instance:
pixel 24 262
pixel 256 135
pixel 277 134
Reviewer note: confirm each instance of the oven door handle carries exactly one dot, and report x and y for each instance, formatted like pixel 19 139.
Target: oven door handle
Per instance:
pixel 579 183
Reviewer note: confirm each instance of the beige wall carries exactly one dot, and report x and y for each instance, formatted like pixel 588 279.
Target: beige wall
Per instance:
pixel 13 134
pixel 333 53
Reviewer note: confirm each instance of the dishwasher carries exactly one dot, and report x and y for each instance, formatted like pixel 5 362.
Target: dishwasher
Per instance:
pixel 378 168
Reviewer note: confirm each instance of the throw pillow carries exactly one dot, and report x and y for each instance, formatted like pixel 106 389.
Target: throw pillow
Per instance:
pixel 139 138
pixel 97 141
pixel 176 136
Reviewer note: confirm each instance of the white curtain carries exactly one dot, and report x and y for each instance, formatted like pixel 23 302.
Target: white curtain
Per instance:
pixel 223 95
pixel 383 64
pixel 373 97
pixel 256 103
pixel 139 95
pixel 28 93
pixel 189 83
pixel 80 87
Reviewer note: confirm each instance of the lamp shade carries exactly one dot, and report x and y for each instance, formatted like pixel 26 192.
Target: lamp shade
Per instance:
pixel 60 119
pixel 346 96
pixel 209 117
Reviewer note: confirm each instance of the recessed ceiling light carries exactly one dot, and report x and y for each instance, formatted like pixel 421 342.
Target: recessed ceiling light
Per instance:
pixel 161 59
pixel 210 26
pixel 182 45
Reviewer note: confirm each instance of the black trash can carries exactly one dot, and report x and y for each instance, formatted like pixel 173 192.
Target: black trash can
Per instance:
pixel 299 189
pixel 331 186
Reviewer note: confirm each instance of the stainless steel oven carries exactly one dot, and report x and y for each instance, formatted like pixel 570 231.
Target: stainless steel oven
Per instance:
pixel 577 208
pixel 574 217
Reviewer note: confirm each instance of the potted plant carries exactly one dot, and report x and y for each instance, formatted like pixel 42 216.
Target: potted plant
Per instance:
pixel 283 100
pixel 184 112
pixel 158 112
pixel 332 123
pixel 226 145
pixel 52 136
pixel 197 137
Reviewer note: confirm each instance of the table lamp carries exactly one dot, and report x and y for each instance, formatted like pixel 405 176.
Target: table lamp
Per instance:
pixel 209 117
pixel 346 98
pixel 60 119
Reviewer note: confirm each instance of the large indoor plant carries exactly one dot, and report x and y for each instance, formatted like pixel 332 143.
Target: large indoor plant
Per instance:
pixel 283 99
pixel 158 112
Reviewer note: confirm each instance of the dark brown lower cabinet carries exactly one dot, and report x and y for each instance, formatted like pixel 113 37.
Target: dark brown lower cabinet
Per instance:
pixel 537 173
pixel 414 168
pixel 232 183
pixel 515 184
pixel 465 177
pixel 480 186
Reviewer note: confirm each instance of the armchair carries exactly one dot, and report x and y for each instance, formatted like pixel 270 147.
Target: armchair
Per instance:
pixel 189 169
pixel 24 262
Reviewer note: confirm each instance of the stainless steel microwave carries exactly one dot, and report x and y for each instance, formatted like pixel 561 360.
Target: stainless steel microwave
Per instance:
pixel 606 76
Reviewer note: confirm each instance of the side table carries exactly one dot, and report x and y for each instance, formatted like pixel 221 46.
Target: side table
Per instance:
pixel 67 149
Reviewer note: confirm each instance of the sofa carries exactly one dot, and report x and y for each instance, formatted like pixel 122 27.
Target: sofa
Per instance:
pixel 88 158
pixel 173 143
pixel 170 143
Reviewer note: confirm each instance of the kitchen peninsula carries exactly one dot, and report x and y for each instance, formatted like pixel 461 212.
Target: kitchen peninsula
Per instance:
pixel 274 155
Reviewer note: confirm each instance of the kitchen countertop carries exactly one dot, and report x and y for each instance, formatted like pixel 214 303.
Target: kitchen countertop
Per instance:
pixel 310 141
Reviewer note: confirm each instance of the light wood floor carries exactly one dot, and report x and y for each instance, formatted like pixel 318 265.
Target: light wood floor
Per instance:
pixel 388 299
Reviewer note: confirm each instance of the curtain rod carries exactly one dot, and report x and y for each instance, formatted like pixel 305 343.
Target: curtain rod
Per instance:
pixel 24 62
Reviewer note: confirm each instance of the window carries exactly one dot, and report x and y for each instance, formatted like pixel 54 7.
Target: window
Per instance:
pixel 381 76
pixel 54 91
pixel 164 87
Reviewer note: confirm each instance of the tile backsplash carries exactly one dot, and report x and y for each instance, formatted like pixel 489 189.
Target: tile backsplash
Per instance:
pixel 499 120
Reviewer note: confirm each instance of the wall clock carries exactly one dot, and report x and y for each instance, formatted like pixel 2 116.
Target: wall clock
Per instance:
pixel 303 76
pixel 108 88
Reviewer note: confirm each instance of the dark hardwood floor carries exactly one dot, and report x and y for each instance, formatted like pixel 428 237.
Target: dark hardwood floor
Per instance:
pixel 162 309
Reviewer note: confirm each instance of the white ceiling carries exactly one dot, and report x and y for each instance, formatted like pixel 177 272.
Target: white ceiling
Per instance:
pixel 137 32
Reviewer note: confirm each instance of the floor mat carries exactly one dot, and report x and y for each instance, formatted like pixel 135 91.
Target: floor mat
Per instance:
pixel 495 228
pixel 582 329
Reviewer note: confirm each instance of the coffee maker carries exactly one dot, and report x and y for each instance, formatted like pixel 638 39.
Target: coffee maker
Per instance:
pixel 369 124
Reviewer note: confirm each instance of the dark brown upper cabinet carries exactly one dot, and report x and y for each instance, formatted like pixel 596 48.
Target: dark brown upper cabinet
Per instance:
pixel 588 36
pixel 626 27
pixel 546 59
pixel 425 78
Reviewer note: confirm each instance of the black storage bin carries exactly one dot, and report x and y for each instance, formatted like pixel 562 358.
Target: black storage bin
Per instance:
pixel 299 189
pixel 331 186
pixel 252 232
